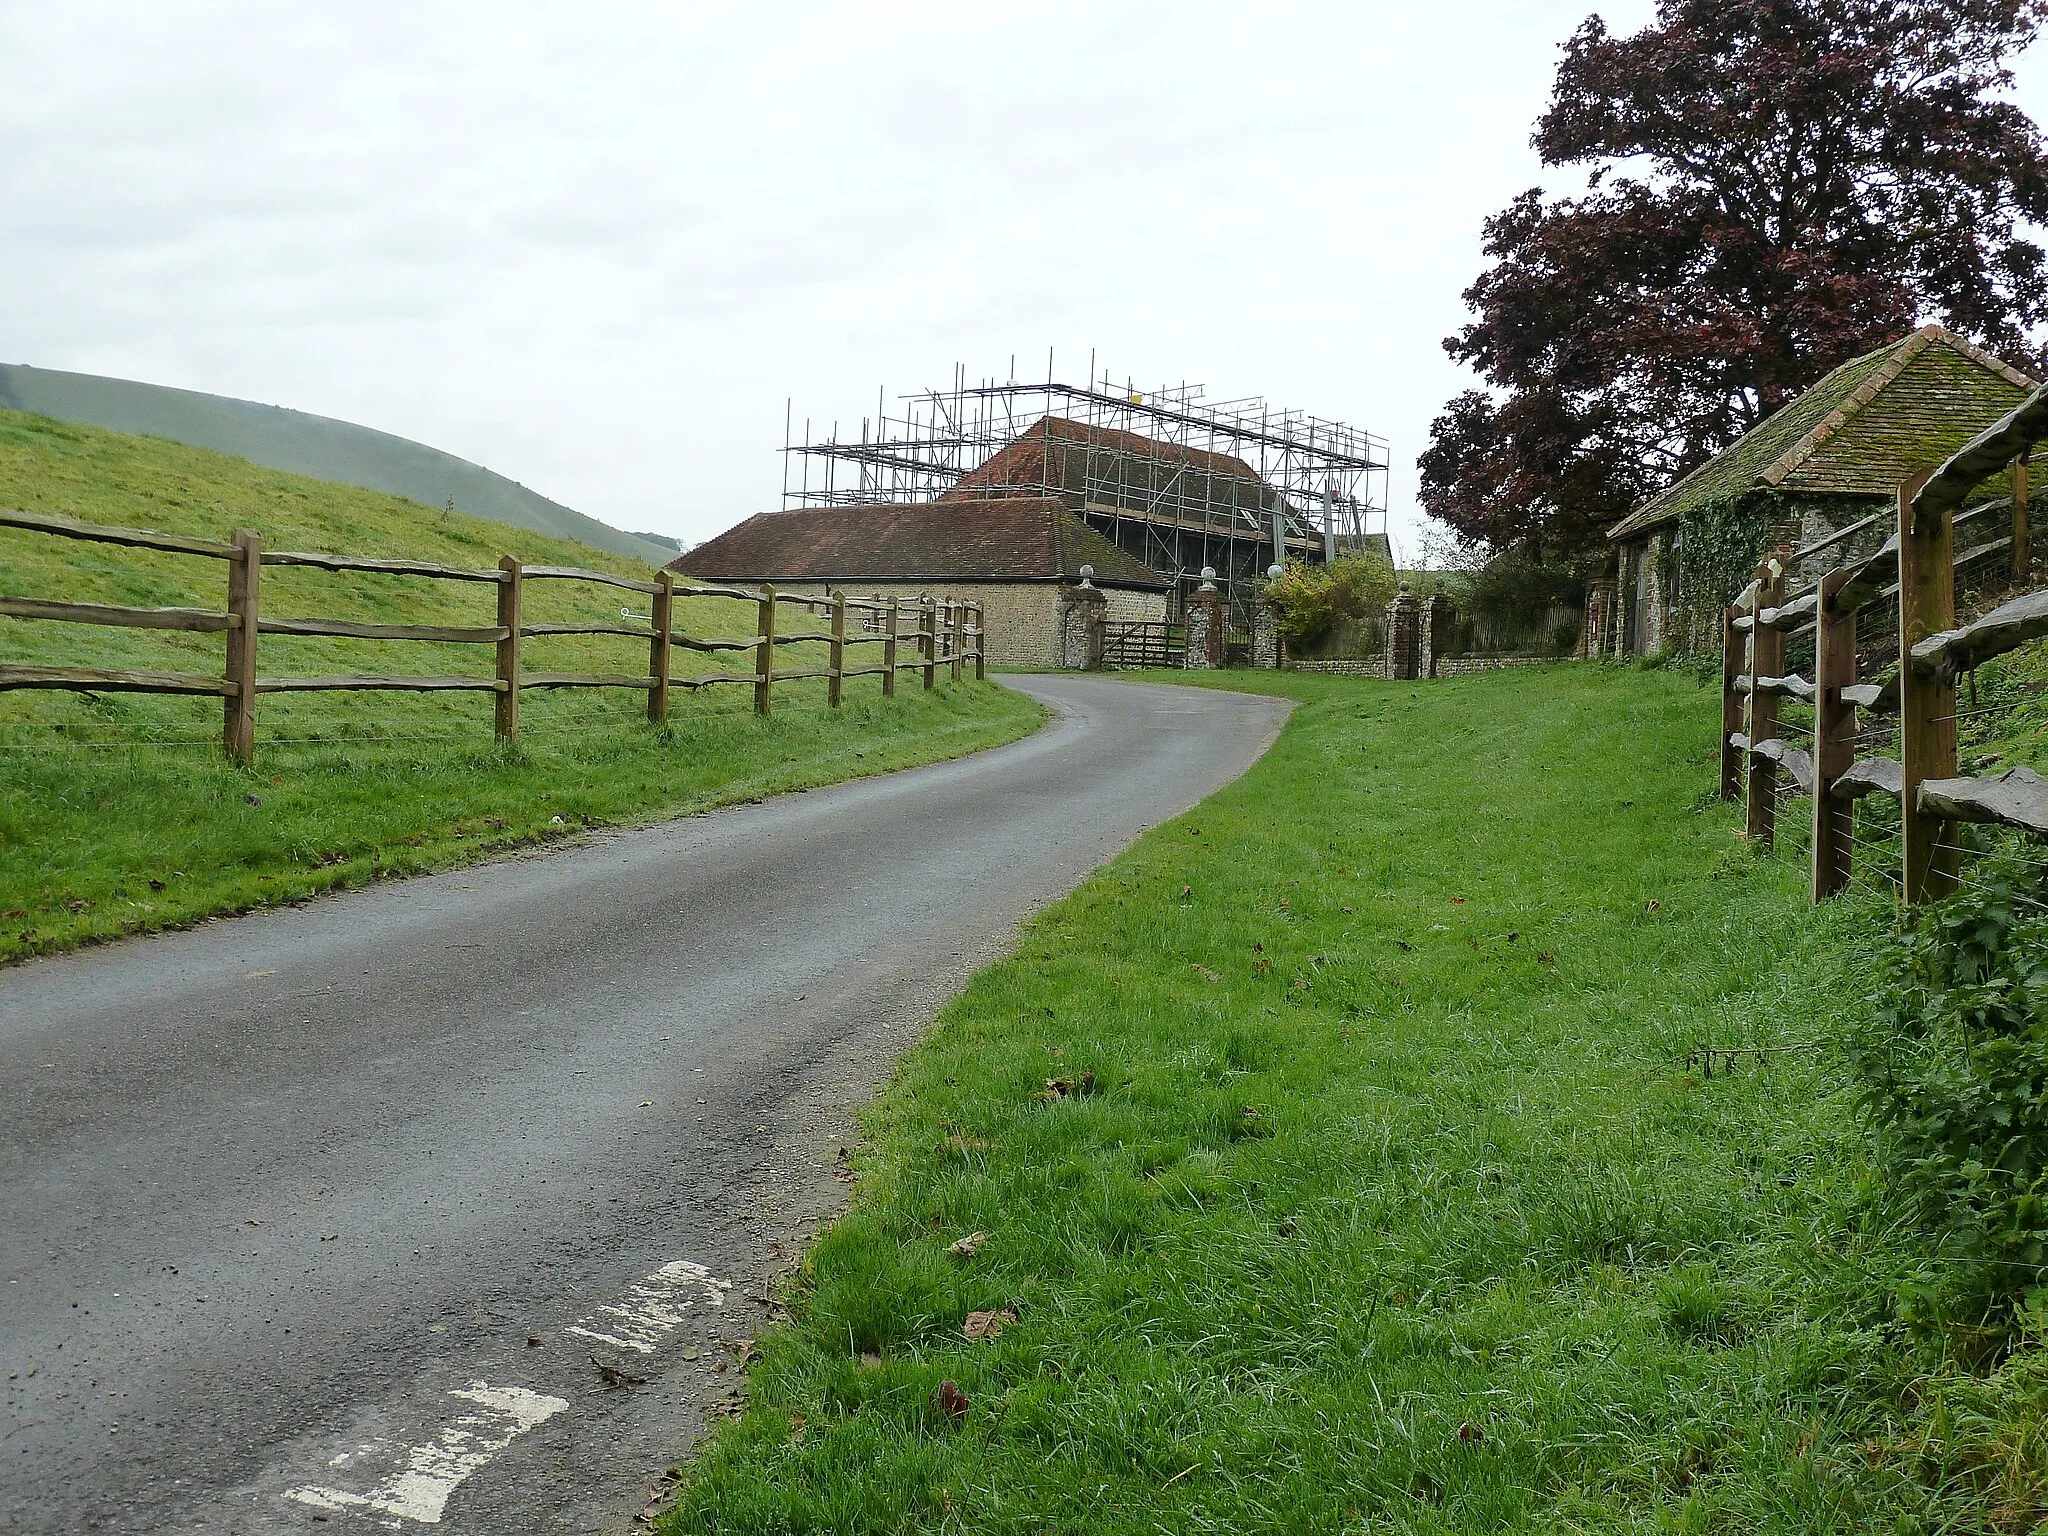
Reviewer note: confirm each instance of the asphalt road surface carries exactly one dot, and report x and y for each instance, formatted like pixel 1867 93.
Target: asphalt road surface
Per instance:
pixel 454 1200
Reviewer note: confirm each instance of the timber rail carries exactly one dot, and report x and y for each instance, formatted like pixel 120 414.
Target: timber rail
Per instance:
pixel 1893 733
pixel 938 634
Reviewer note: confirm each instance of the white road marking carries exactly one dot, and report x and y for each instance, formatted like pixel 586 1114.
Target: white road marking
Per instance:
pixel 652 1308
pixel 419 1488
pixel 414 1482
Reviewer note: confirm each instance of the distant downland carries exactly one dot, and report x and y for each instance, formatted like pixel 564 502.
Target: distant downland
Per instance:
pixel 299 443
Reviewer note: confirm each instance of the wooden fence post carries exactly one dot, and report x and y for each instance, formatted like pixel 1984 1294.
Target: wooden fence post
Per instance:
pixel 507 713
pixel 928 637
pixel 1766 659
pixel 835 685
pixel 2022 557
pixel 889 650
pixel 1733 644
pixel 660 649
pixel 1834 731
pixel 238 709
pixel 959 641
pixel 1927 702
pixel 764 651
pixel 980 643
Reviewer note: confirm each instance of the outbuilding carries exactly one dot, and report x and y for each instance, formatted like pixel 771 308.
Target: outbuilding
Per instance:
pixel 1027 560
pixel 1833 457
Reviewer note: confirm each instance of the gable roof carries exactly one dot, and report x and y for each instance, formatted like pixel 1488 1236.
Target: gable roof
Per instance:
pixel 1052 456
pixel 1011 538
pixel 1862 431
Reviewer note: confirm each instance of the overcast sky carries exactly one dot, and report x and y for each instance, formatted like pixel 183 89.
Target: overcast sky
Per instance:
pixel 596 247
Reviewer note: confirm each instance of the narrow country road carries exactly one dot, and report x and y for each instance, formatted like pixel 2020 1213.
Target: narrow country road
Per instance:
pixel 452 1199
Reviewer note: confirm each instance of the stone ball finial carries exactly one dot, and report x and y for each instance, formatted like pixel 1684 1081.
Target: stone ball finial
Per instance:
pixel 1208 578
pixel 1275 571
pixel 1087 575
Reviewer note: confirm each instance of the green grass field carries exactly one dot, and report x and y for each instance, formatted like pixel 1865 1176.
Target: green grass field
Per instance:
pixel 120 816
pixel 1338 1153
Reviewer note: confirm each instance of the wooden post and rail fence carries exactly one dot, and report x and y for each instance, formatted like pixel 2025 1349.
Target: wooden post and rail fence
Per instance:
pixel 1913 691
pixel 947 633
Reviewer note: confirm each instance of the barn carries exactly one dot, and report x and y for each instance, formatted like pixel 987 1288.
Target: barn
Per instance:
pixel 1026 560
pixel 1833 457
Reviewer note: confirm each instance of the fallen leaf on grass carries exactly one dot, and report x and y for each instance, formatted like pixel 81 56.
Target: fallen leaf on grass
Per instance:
pixel 1403 944
pixel 951 1401
pixel 968 1246
pixel 987 1325
pixel 1200 970
pixel 962 1146
pixel 1470 1434
pixel 1546 958
pixel 1066 1087
pixel 23 911
pixel 870 1361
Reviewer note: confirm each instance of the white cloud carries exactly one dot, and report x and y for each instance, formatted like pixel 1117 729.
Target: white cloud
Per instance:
pixel 596 247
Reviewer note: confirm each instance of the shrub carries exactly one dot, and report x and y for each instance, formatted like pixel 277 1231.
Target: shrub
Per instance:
pixel 1954 1066
pixel 1313 600
pixel 1514 596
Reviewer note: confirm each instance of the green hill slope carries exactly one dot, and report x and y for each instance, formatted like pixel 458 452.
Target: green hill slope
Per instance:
pixel 304 444
pixel 118 813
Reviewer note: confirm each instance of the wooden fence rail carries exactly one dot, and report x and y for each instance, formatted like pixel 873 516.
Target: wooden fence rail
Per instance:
pixel 947 633
pixel 1916 567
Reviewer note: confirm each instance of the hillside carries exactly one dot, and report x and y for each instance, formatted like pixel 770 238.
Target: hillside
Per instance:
pixel 318 446
pixel 119 813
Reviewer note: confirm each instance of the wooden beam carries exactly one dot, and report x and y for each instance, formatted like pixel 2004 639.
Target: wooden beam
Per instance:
pixel 505 716
pixel 380 567
pixel 577 573
pixel 2022 557
pixel 348 629
pixel 238 708
pixel 2016 798
pixel 835 686
pixel 100 533
pixel 660 647
pixel 1834 737
pixel 1869 776
pixel 1766 659
pixel 105 680
pixel 889 648
pixel 764 650
pixel 1927 704
pixel 200 620
pixel 1733 646
pixel 2005 628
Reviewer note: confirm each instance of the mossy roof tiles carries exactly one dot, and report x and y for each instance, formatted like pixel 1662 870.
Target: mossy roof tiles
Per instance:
pixel 1011 538
pixel 1861 431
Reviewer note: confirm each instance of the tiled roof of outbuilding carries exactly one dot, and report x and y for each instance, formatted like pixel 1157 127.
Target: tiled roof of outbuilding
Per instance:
pixel 1019 538
pixel 1861 431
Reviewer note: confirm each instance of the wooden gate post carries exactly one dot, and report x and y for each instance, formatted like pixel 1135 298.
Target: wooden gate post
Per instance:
pixel 928 637
pixel 661 648
pixel 2022 557
pixel 980 643
pixel 1733 644
pixel 1927 702
pixel 1834 731
pixel 959 641
pixel 764 651
pixel 835 685
pixel 507 713
pixel 889 649
pixel 238 708
pixel 1766 659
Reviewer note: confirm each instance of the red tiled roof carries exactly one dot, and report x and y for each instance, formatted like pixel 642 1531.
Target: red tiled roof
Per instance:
pixel 1002 539
pixel 1052 456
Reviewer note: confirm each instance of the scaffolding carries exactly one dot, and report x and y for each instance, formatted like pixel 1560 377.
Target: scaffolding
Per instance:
pixel 1171 477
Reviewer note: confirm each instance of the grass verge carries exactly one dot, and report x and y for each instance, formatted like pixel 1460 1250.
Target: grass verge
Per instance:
pixel 117 814
pixel 1333 1162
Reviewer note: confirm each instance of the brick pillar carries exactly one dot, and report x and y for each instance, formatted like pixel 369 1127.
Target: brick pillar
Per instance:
pixel 1266 648
pixel 1404 621
pixel 1204 619
pixel 1437 619
pixel 1082 611
pixel 1600 608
